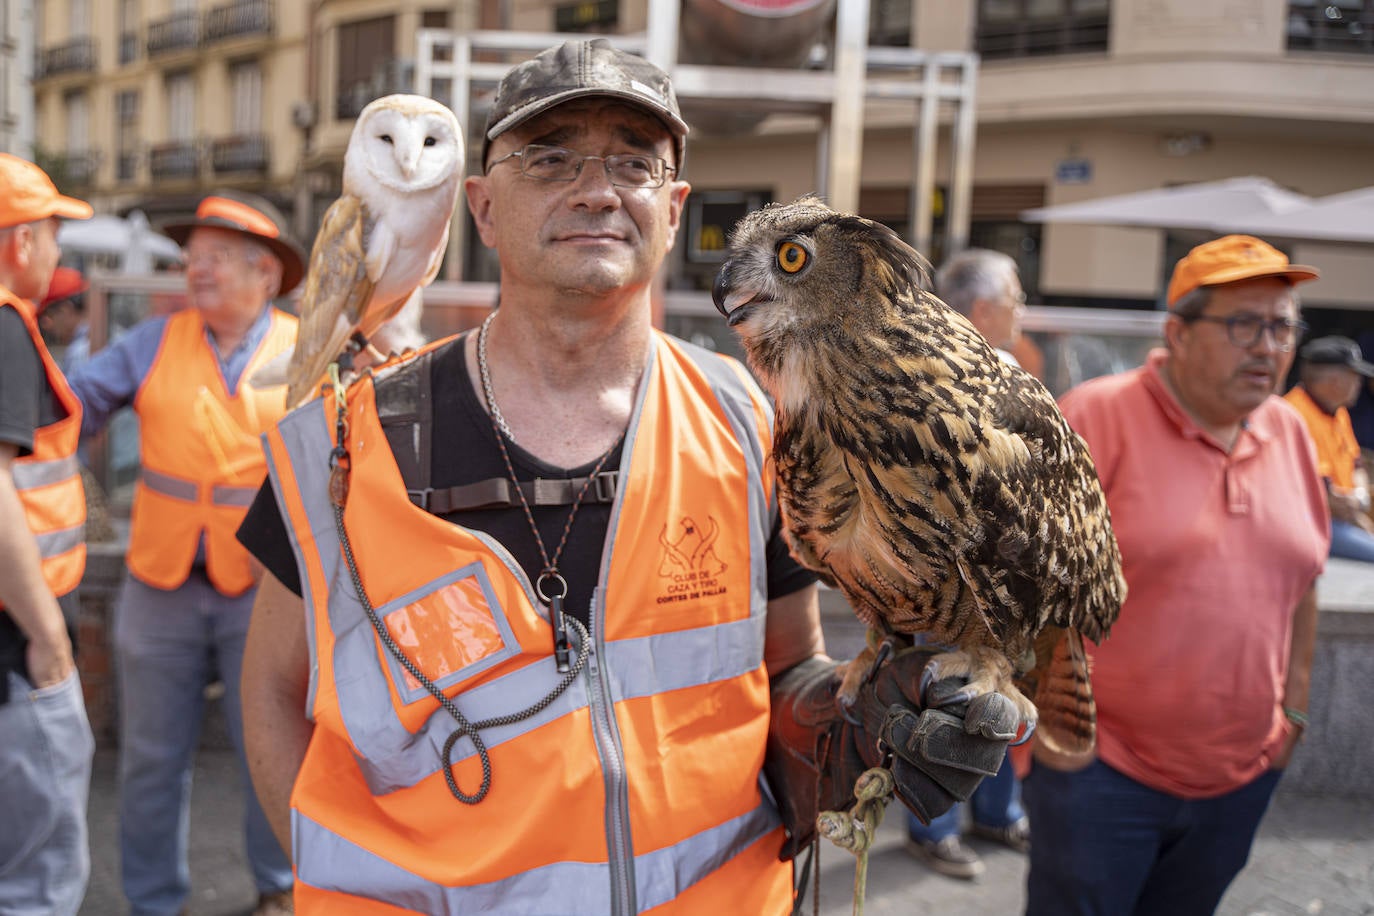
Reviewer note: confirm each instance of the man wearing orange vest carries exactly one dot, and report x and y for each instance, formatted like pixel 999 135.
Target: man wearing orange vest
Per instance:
pixel 524 628
pixel 45 739
pixel 186 603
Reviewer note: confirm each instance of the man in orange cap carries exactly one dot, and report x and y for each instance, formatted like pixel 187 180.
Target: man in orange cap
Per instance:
pixel 183 613
pixel 1202 690
pixel 62 317
pixel 45 739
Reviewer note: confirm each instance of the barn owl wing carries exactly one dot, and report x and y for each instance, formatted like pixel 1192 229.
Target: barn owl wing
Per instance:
pixel 382 243
pixel 337 289
pixel 436 259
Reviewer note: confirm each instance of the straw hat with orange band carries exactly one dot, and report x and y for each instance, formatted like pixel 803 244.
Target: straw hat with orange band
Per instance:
pixel 254 217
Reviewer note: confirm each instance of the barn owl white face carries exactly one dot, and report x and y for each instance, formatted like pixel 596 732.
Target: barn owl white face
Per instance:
pixel 406 143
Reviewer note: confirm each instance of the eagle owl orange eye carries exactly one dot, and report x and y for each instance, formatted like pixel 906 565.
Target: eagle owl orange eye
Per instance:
pixel 791 257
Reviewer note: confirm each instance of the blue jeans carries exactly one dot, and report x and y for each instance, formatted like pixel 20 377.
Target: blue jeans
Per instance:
pixel 1351 542
pixel 45 779
pixel 1108 846
pixel 165 645
pixel 995 803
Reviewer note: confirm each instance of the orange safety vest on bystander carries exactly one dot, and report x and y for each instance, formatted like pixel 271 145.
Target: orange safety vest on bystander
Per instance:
pixel 202 458
pixel 49 479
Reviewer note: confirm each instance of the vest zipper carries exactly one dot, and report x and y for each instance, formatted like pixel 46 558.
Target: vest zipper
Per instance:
pixel 620 852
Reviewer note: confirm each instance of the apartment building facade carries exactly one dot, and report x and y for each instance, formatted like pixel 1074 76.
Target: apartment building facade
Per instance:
pixel 151 103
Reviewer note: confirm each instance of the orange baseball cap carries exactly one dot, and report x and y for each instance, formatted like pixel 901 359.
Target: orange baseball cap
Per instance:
pixel 66 283
pixel 27 195
pixel 1231 258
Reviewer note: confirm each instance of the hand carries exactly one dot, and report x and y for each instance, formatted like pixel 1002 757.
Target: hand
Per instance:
pixel 816 751
pixel 49 661
pixel 1291 738
pixel 939 753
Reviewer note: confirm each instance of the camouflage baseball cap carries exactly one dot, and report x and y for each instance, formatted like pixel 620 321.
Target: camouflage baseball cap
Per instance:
pixel 578 69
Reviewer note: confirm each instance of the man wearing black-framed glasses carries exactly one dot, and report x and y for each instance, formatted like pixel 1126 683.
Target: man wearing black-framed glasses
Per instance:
pixel 577 535
pixel 1202 691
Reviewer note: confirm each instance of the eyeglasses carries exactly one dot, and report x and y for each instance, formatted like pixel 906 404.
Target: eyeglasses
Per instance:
pixel 554 163
pixel 211 257
pixel 1245 330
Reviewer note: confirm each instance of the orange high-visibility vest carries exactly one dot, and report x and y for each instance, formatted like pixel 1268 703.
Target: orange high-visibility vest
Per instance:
pixel 49 479
pixel 638 789
pixel 202 459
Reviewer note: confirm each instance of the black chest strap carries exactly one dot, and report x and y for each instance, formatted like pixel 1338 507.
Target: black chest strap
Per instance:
pixel 405 407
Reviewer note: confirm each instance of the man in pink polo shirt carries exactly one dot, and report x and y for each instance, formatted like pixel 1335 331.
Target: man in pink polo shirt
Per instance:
pixel 1202 687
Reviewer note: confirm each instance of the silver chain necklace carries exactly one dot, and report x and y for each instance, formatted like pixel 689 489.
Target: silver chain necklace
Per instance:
pixel 485 372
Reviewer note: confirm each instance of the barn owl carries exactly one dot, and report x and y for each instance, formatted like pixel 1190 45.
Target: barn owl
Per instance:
pixel 936 485
pixel 385 237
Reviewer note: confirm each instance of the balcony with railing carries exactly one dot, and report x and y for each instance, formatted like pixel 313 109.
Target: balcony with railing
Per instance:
pixel 75 168
pixel 177 32
pixel 240 19
pixel 175 159
pixel 240 153
pixel 75 56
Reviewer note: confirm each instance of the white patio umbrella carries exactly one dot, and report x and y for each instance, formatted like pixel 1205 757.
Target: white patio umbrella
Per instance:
pixel 1345 217
pixel 131 239
pixel 1230 205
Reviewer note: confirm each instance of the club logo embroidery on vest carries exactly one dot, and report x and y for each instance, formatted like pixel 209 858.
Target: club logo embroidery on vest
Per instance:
pixel 690 566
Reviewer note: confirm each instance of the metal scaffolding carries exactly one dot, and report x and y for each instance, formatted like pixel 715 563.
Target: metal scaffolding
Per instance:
pixel 451 65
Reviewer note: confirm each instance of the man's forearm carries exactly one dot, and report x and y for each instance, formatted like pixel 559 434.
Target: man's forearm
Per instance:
pixel 275 685
pixel 23 590
pixel 1301 648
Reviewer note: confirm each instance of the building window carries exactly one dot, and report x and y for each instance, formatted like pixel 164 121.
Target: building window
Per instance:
pixel 1344 26
pixel 126 135
pixel 78 122
pixel 1026 28
pixel 434 19
pixel 368 68
pixel 79 18
pixel 79 162
pixel 245 86
pixel 181 107
pixel 889 23
pixel 592 16
pixel 128 31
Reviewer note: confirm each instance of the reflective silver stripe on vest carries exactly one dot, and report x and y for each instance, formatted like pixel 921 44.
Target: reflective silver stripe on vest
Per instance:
pixel 29 475
pixel 189 491
pixel 222 495
pixel 330 862
pixel 56 543
pixel 167 485
pixel 307 593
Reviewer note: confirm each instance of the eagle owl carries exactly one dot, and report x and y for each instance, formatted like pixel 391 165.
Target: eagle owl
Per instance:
pixel 936 485
pixel 385 237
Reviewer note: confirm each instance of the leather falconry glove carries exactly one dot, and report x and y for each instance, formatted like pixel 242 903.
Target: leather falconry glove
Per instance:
pixel 938 754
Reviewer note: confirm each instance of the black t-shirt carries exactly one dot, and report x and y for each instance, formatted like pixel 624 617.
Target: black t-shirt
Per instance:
pixel 464 450
pixel 27 402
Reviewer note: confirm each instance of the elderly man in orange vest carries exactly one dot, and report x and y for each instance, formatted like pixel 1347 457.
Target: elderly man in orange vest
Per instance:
pixel 184 609
pixel 45 740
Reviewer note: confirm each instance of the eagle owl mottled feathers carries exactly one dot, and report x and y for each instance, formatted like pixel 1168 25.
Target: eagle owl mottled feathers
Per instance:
pixel 936 485
pixel 385 237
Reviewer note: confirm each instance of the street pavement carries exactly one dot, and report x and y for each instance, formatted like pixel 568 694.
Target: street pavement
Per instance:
pixel 1314 857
